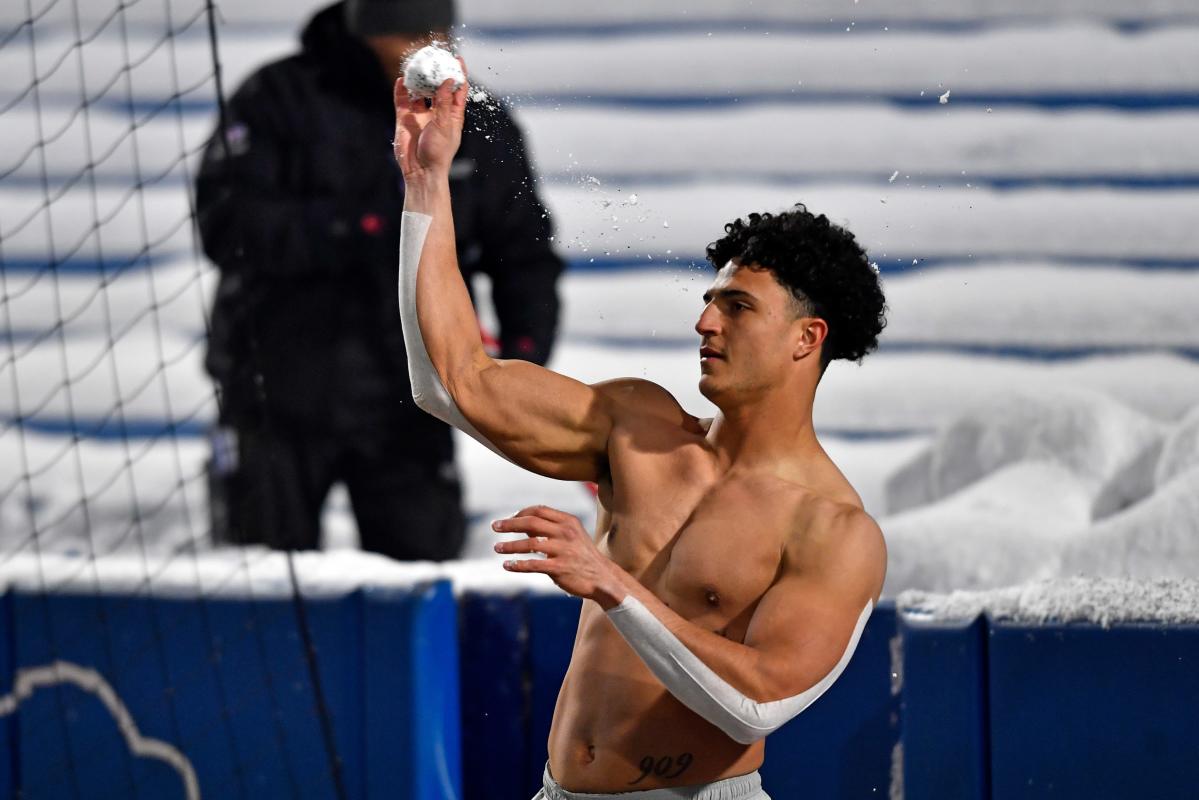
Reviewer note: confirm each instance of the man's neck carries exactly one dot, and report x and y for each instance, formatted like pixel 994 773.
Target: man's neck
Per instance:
pixel 774 433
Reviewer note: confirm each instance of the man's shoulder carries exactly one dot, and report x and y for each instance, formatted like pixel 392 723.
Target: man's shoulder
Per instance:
pixel 629 398
pixel 835 536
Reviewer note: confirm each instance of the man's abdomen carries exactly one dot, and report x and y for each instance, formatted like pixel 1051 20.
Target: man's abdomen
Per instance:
pixel 616 728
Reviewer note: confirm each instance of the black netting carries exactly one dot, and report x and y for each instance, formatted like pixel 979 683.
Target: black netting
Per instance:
pixel 105 410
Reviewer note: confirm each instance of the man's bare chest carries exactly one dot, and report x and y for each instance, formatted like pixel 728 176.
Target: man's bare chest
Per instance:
pixel 709 548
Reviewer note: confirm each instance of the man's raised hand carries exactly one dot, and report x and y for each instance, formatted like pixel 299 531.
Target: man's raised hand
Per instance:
pixel 427 136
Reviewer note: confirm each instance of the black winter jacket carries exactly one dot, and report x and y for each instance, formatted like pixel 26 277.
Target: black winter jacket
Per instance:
pixel 299 204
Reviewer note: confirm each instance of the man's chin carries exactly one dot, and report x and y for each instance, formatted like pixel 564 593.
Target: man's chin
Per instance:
pixel 709 387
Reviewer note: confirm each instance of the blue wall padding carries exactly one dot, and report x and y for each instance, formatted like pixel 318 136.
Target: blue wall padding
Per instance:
pixel 495 699
pixel 944 714
pixel 553 620
pixel 227 681
pixel 1078 711
pixel 411 649
pixel 840 747
pixel 337 628
pixel 9 773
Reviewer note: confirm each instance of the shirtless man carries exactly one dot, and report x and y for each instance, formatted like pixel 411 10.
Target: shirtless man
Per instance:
pixel 732 567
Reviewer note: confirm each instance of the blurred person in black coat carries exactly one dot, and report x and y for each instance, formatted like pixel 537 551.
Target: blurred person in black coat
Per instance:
pixel 299 202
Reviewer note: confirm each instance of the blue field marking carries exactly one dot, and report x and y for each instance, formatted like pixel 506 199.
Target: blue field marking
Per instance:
pixel 1126 101
pixel 1023 352
pixel 659 180
pixel 192 429
pixel 909 99
pixel 888 265
pixel 86 266
pixel 109 428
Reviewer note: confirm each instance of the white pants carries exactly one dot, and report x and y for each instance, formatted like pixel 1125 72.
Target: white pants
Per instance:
pixel 742 787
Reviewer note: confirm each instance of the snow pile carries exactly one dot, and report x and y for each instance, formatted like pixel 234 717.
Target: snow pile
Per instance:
pixel 251 572
pixel 1180 451
pixel 1100 601
pixel 1025 488
pixel 1004 529
pixel 1158 537
pixel 1107 446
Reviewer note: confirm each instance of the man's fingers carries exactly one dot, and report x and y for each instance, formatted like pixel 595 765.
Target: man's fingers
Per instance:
pixel 545 512
pixel 535 526
pixel 463 91
pixel 533 545
pixel 530 565
pixel 445 105
pixel 400 94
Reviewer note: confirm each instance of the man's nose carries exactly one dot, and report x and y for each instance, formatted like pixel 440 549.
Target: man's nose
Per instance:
pixel 708 322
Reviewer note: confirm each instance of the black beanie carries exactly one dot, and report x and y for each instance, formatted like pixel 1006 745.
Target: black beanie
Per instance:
pixel 383 17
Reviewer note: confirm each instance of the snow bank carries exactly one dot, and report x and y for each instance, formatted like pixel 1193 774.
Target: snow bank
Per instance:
pixel 80 224
pixel 145 376
pixel 165 146
pixel 921 391
pixel 1180 452
pixel 101 496
pixel 1018 304
pixel 897 221
pixel 1107 446
pixel 174 295
pixel 251 572
pixel 1007 528
pixel 1156 538
pixel 600 221
pixel 955 144
pixel 640 145
pixel 1100 601
pixel 982 305
pixel 1068 461
pixel 1054 58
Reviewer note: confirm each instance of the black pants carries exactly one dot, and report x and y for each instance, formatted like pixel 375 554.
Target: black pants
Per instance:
pixel 407 506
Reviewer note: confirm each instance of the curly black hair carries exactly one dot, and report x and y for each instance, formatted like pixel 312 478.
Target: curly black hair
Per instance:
pixel 824 268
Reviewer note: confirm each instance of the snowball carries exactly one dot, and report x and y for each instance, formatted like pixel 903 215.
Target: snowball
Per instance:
pixel 428 68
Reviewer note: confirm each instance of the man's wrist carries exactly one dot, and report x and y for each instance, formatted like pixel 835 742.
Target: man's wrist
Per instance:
pixel 422 193
pixel 611 591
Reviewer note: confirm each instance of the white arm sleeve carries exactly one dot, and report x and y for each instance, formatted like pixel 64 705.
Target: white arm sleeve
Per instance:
pixel 429 393
pixel 702 690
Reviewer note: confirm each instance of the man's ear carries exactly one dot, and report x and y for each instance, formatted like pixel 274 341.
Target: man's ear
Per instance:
pixel 813 332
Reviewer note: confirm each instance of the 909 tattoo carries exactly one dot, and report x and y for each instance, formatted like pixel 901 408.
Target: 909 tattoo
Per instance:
pixel 664 767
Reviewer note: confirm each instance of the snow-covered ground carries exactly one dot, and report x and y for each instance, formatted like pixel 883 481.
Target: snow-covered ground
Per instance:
pixel 1025 174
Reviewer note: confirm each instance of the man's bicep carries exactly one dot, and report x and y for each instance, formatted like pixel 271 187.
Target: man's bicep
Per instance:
pixel 543 421
pixel 806 627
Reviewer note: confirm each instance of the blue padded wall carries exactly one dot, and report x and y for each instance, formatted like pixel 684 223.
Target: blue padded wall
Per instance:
pixel 495 698
pixel 1078 711
pixel 944 710
pixel 412 689
pixel 840 747
pixel 553 620
pixel 226 681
